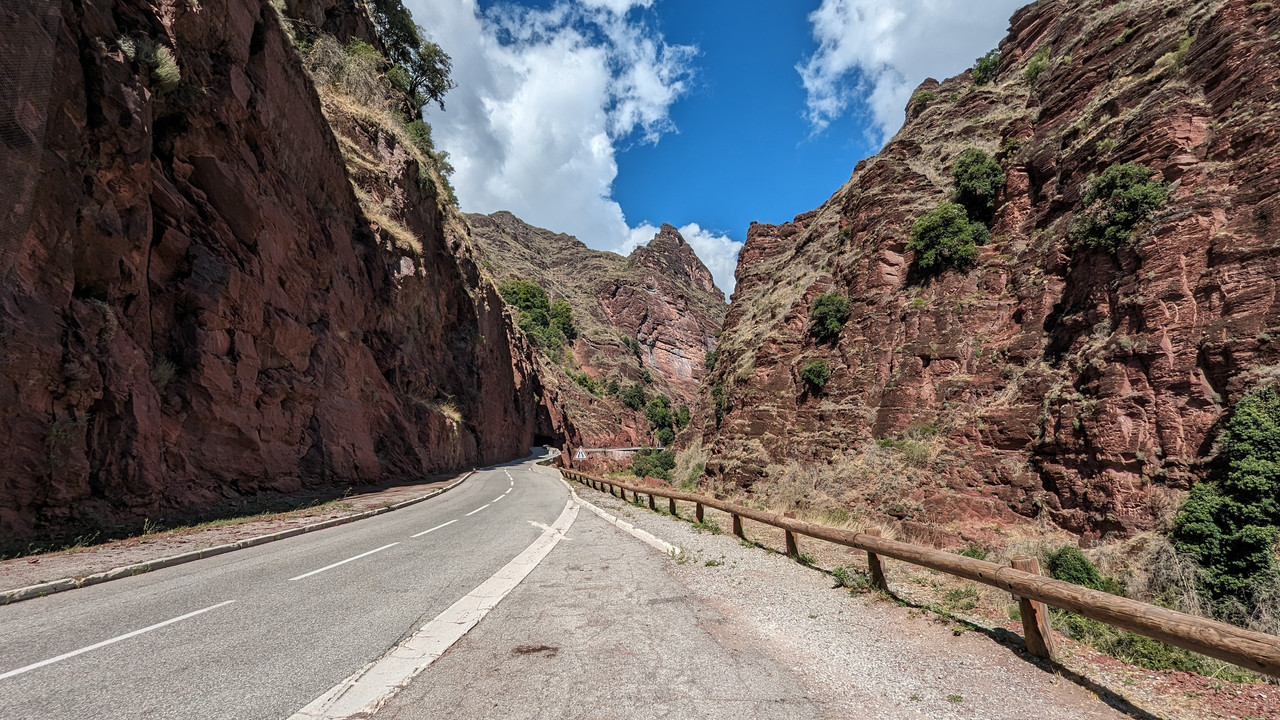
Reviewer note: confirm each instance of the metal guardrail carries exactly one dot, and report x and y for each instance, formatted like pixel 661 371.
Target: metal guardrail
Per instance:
pixel 1246 648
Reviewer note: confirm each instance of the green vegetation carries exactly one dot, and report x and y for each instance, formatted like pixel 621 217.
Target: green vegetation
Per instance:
pixel 658 412
pixel 549 326
pixel 827 316
pixel 591 385
pixel 914 446
pixel 978 179
pixel 1230 525
pixel 420 69
pixel 645 376
pixel 633 396
pixel 653 463
pixel 945 237
pixel 984 68
pixel 1116 203
pixel 975 552
pixel 1068 564
pixel 710 360
pixel 164 67
pixel 161 373
pixel 815 374
pixel 1039 61
pixel 718 401
pixel 683 416
pixel 919 102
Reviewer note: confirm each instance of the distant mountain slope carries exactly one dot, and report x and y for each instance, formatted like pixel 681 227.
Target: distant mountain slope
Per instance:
pixel 1053 375
pixel 657 310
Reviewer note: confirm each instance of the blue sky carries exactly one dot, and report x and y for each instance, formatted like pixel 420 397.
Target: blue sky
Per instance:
pixel 606 118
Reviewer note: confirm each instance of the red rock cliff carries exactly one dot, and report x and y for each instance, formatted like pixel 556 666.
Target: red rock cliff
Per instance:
pixel 1078 383
pixel 196 306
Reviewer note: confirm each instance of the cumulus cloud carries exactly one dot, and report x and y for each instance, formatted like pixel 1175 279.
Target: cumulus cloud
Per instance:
pixel 872 53
pixel 545 98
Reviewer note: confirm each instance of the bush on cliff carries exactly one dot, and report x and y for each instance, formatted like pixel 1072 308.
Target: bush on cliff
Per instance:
pixel 1230 523
pixel 815 374
pixel 653 463
pixel 945 237
pixel 827 316
pixel 984 68
pixel 1116 203
pixel 420 69
pixel 633 396
pixel 549 326
pixel 978 179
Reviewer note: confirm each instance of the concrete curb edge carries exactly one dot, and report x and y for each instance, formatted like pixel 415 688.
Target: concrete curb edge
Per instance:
pixel 9 597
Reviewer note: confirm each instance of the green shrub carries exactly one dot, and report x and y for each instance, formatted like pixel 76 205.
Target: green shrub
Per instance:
pixel 633 396
pixel 646 377
pixel 815 374
pixel 945 237
pixel 683 417
pixel 975 552
pixel 561 316
pixel 709 362
pixel 1230 524
pixel 827 316
pixel 1116 202
pixel 978 179
pixel 420 68
pixel 920 101
pixel 1039 61
pixel 1140 650
pixel 612 389
pixel 163 65
pixel 653 463
pixel 984 68
pixel 665 436
pixel 658 412
pixel 718 402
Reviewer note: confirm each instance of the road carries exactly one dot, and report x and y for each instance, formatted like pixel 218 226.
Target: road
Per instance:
pixel 277 625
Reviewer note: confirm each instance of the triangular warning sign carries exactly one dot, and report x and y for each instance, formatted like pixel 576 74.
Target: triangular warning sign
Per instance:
pixel 580 455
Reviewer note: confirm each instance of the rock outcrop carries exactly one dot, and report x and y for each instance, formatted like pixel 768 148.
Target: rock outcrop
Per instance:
pixel 656 310
pixel 197 307
pixel 1055 380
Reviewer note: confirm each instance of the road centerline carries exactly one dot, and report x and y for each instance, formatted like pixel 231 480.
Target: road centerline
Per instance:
pixel 111 641
pixel 473 512
pixel 424 532
pixel 343 562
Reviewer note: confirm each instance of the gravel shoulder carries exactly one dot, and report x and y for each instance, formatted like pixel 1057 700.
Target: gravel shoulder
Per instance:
pixel 908 646
pixel 81 561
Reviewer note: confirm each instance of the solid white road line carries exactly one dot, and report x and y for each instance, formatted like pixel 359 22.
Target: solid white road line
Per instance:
pixel 424 532
pixel 104 643
pixel 497 498
pixel 372 686
pixel 343 562
pixel 508 491
pixel 473 512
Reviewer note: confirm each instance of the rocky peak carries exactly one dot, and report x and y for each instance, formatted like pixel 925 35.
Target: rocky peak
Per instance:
pixel 669 253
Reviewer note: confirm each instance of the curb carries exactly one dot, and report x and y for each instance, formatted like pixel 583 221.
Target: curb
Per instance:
pixel 643 536
pixel 9 597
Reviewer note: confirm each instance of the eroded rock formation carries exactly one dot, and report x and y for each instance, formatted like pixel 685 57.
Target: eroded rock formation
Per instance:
pixel 196 307
pixel 1076 382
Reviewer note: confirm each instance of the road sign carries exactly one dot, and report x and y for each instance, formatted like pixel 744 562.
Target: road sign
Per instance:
pixel 580 455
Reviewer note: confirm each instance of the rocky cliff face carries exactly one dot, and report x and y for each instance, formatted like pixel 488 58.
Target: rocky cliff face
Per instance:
pixel 656 310
pixel 1063 382
pixel 196 305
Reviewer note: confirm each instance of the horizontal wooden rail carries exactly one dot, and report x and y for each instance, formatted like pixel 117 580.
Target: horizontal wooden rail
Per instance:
pixel 1246 648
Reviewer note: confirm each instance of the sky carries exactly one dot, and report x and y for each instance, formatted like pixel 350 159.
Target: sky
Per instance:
pixel 606 118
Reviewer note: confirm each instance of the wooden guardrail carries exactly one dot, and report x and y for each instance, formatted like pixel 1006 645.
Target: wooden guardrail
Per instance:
pixel 1246 648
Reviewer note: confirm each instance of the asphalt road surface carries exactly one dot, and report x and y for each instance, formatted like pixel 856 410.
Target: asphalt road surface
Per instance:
pixel 261 632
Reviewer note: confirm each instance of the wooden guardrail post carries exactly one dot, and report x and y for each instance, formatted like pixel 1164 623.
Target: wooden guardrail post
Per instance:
pixel 793 548
pixel 697 511
pixel 652 505
pixel 672 503
pixel 1035 615
pixel 737 526
pixel 875 566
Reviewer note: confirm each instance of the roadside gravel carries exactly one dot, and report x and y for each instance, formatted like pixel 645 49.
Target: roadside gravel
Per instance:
pixel 864 655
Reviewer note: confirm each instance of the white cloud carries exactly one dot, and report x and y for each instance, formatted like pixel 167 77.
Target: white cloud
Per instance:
pixel 545 98
pixel 876 52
